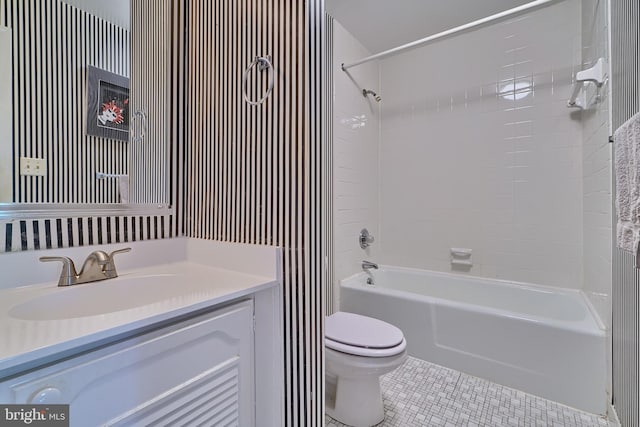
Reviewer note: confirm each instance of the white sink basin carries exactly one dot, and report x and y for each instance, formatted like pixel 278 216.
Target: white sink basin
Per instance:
pixel 107 296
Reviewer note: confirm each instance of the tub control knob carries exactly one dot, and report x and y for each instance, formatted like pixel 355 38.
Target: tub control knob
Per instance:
pixel 365 238
pixel 46 395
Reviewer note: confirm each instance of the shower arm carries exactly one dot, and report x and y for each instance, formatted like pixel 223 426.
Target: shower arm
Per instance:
pixel 366 92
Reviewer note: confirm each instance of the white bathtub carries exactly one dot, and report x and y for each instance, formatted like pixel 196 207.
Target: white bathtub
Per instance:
pixel 541 340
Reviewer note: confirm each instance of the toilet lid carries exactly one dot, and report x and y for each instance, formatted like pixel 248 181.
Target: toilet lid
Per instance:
pixel 361 331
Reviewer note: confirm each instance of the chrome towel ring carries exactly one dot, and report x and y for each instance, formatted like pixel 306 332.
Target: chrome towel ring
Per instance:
pixel 262 62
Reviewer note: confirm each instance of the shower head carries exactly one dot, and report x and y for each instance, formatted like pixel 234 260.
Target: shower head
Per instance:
pixel 366 92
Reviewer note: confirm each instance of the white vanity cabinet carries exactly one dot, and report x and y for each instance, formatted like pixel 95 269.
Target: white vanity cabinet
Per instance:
pixel 199 371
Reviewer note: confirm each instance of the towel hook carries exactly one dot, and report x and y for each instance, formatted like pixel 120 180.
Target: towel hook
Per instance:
pixel 140 126
pixel 596 75
pixel 263 62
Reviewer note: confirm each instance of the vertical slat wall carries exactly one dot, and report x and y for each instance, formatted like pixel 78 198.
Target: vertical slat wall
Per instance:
pixel 179 131
pixel 327 77
pixel 53 43
pixel 58 232
pixel 319 234
pixel 625 80
pixel 167 19
pixel 151 63
pixel 255 174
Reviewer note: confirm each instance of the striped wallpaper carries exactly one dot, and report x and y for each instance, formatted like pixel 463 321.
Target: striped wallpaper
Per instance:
pixel 258 174
pixel 64 232
pixel 236 173
pixel 327 77
pixel 157 82
pixel 178 104
pixel 151 64
pixel 53 45
pixel 49 96
pixel 625 84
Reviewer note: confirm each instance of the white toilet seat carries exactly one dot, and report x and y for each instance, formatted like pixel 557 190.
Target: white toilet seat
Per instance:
pixel 363 336
pixel 364 351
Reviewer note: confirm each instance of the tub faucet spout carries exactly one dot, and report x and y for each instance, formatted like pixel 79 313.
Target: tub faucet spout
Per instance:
pixel 367 265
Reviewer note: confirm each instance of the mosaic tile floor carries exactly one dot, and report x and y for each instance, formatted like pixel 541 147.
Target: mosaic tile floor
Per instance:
pixel 421 394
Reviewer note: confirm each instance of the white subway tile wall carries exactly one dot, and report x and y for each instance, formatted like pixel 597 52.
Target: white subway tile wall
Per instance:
pixel 356 145
pixel 478 150
pixel 596 164
pixel 596 170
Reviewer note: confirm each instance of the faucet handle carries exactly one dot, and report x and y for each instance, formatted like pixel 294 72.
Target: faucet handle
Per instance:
pixel 111 266
pixel 68 275
pixel 119 251
pixel 365 239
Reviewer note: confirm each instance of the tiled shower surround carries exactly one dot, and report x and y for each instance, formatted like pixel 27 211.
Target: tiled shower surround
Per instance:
pixel 473 146
pixel 355 174
pixel 421 394
pixel 479 150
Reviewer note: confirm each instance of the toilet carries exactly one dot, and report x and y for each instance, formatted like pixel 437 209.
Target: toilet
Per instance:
pixel 358 351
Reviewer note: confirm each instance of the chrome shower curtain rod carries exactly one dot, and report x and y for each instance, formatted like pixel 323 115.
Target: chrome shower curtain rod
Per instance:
pixel 461 28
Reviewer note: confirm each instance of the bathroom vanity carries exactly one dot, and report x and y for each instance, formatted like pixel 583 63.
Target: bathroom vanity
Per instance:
pixel 190 332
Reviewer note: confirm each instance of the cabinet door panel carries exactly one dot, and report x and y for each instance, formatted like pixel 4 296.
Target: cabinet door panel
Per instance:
pixel 206 361
pixel 212 398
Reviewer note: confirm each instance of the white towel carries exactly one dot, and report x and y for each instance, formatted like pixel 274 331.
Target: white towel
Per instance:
pixel 627 174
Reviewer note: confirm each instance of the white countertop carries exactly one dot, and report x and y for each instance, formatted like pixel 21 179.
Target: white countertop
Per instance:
pixel 29 343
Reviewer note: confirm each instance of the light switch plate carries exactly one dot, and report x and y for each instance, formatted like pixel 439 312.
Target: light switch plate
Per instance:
pixel 30 166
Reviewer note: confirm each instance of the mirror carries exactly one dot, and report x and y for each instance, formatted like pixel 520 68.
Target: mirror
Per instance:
pixel 48 49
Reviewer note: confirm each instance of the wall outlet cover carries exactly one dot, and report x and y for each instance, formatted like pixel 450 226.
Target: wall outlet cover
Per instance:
pixel 30 166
